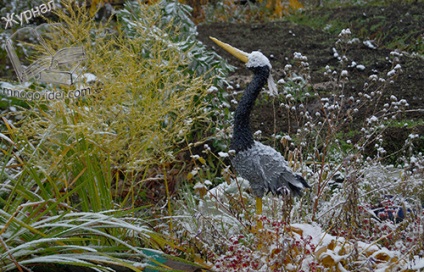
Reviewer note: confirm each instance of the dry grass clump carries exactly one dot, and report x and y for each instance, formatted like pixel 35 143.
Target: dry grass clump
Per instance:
pixel 73 169
pixel 138 112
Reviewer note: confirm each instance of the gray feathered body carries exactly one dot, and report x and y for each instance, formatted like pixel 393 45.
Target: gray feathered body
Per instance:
pixel 264 167
pixel 267 171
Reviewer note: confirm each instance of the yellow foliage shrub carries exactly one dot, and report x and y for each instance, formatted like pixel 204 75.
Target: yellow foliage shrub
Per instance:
pixel 138 113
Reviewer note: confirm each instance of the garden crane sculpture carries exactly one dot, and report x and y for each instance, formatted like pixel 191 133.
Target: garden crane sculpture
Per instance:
pixel 264 167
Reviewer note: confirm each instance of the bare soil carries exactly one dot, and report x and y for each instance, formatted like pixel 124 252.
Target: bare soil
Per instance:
pixel 389 27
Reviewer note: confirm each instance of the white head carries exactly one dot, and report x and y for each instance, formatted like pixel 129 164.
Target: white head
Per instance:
pixel 257 59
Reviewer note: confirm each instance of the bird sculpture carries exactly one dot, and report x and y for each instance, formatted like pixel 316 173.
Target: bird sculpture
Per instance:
pixel 263 166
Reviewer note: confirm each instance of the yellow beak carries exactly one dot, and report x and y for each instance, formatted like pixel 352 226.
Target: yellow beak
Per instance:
pixel 243 56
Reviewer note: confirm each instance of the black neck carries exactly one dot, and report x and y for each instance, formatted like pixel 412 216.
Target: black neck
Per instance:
pixel 242 134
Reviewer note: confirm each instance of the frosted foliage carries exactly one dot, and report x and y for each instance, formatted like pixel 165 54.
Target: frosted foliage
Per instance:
pixel 257 59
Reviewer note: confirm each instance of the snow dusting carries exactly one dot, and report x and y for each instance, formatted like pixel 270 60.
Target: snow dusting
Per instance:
pixel 369 44
pixel 360 67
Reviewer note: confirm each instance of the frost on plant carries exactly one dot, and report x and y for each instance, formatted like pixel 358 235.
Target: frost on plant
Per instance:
pixel 362 213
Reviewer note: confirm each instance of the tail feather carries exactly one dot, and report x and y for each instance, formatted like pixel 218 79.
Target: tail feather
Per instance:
pixel 295 189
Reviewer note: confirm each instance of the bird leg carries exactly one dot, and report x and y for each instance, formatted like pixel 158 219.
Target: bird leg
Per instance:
pixel 259 224
pixel 259 212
